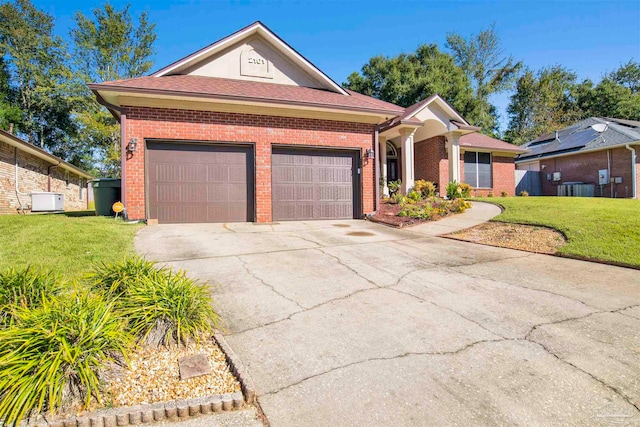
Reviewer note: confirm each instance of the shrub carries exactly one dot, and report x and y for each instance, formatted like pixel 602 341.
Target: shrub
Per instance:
pixel 465 190
pixel 490 194
pixel 167 308
pixel 114 278
pixel 414 196
pixel 53 351
pixel 25 288
pixel 458 206
pixel 425 211
pixel 524 193
pixel 503 194
pixel 397 199
pixel 426 188
pixel 394 187
pixel 453 190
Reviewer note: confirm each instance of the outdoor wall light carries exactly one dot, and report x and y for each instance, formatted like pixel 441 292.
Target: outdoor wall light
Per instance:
pixel 370 154
pixel 133 145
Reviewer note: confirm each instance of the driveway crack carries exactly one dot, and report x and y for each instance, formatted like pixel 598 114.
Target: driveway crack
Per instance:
pixel 374 359
pixel 615 390
pixel 569 319
pixel 259 279
pixel 348 267
pixel 450 310
pixel 521 286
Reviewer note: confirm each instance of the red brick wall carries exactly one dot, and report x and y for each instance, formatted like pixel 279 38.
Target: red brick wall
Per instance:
pixel 431 162
pixel 32 177
pixel 584 168
pixel 502 176
pixel 432 165
pixel 263 131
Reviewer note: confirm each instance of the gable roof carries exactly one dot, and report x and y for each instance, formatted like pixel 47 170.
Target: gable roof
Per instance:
pixel 480 141
pixel 582 137
pixel 246 32
pixel 410 112
pixel 23 145
pixel 408 117
pixel 248 91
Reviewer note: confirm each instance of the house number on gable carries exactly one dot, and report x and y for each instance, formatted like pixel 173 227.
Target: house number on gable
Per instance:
pixel 257 61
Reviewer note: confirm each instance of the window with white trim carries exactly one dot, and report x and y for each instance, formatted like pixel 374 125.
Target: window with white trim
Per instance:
pixel 477 169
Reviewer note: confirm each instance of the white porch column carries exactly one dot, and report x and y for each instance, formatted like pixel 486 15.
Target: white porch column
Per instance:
pixel 406 142
pixel 382 140
pixel 453 154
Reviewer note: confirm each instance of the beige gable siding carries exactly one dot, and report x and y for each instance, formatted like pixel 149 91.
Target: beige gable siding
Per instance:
pixel 32 177
pixel 254 60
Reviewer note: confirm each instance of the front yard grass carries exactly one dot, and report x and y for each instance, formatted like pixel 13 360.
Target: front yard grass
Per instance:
pixel 67 244
pixel 596 228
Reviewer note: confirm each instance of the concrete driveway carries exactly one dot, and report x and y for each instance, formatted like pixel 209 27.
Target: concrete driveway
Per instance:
pixel 353 323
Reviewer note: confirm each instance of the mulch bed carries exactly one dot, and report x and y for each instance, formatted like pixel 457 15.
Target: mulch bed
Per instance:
pixel 528 238
pixel 388 214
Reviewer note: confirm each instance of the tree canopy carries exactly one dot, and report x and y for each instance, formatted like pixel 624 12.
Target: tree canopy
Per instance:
pixel 483 60
pixel 38 78
pixel 552 99
pixel 108 46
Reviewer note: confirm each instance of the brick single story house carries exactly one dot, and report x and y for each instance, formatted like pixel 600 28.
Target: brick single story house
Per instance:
pixel 599 153
pixel 27 170
pixel 247 129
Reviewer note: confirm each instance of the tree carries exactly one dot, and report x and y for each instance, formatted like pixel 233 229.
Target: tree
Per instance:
pixel 408 78
pixel 9 112
pixel 489 70
pixel 617 95
pixel 108 46
pixel 38 78
pixel 541 103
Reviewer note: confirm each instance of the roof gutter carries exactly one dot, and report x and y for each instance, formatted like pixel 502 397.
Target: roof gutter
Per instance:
pixel 115 110
pixel 634 175
pixel 243 99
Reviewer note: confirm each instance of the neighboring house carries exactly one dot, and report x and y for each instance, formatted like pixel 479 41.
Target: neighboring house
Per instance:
pixel 247 129
pixel 598 156
pixel 26 169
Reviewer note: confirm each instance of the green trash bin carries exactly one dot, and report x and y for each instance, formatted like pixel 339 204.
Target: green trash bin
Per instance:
pixel 106 191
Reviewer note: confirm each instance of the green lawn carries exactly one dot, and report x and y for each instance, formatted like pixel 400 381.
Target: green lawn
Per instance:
pixel 67 244
pixel 596 228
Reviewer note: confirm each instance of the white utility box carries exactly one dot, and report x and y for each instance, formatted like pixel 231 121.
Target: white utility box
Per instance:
pixel 47 202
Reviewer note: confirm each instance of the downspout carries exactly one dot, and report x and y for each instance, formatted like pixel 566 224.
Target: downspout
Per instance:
pixel 123 166
pixel 18 192
pixel 49 176
pixel 609 171
pixel 634 177
pixel 376 150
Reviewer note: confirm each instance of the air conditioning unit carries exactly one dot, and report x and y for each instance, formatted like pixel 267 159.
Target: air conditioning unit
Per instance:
pixel 47 202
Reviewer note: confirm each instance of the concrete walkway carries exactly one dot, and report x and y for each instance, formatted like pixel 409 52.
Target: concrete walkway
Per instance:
pixel 344 323
pixel 479 213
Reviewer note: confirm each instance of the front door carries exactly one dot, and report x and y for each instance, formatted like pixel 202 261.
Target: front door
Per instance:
pixel 392 170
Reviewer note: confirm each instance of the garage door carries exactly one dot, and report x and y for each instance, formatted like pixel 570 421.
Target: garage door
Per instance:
pixel 199 182
pixel 314 184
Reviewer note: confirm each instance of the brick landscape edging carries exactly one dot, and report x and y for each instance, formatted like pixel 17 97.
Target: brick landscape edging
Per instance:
pixel 169 411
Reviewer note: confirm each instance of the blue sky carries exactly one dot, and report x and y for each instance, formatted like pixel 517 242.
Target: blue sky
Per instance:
pixel 589 37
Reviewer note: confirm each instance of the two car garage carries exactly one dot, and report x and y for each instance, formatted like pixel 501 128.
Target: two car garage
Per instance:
pixel 198 182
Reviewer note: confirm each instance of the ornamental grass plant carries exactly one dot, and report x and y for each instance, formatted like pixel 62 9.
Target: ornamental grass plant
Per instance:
pixel 25 288
pixel 168 308
pixel 52 353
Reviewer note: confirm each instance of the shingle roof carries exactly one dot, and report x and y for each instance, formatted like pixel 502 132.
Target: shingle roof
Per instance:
pixel 214 87
pixel 582 137
pixel 478 140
